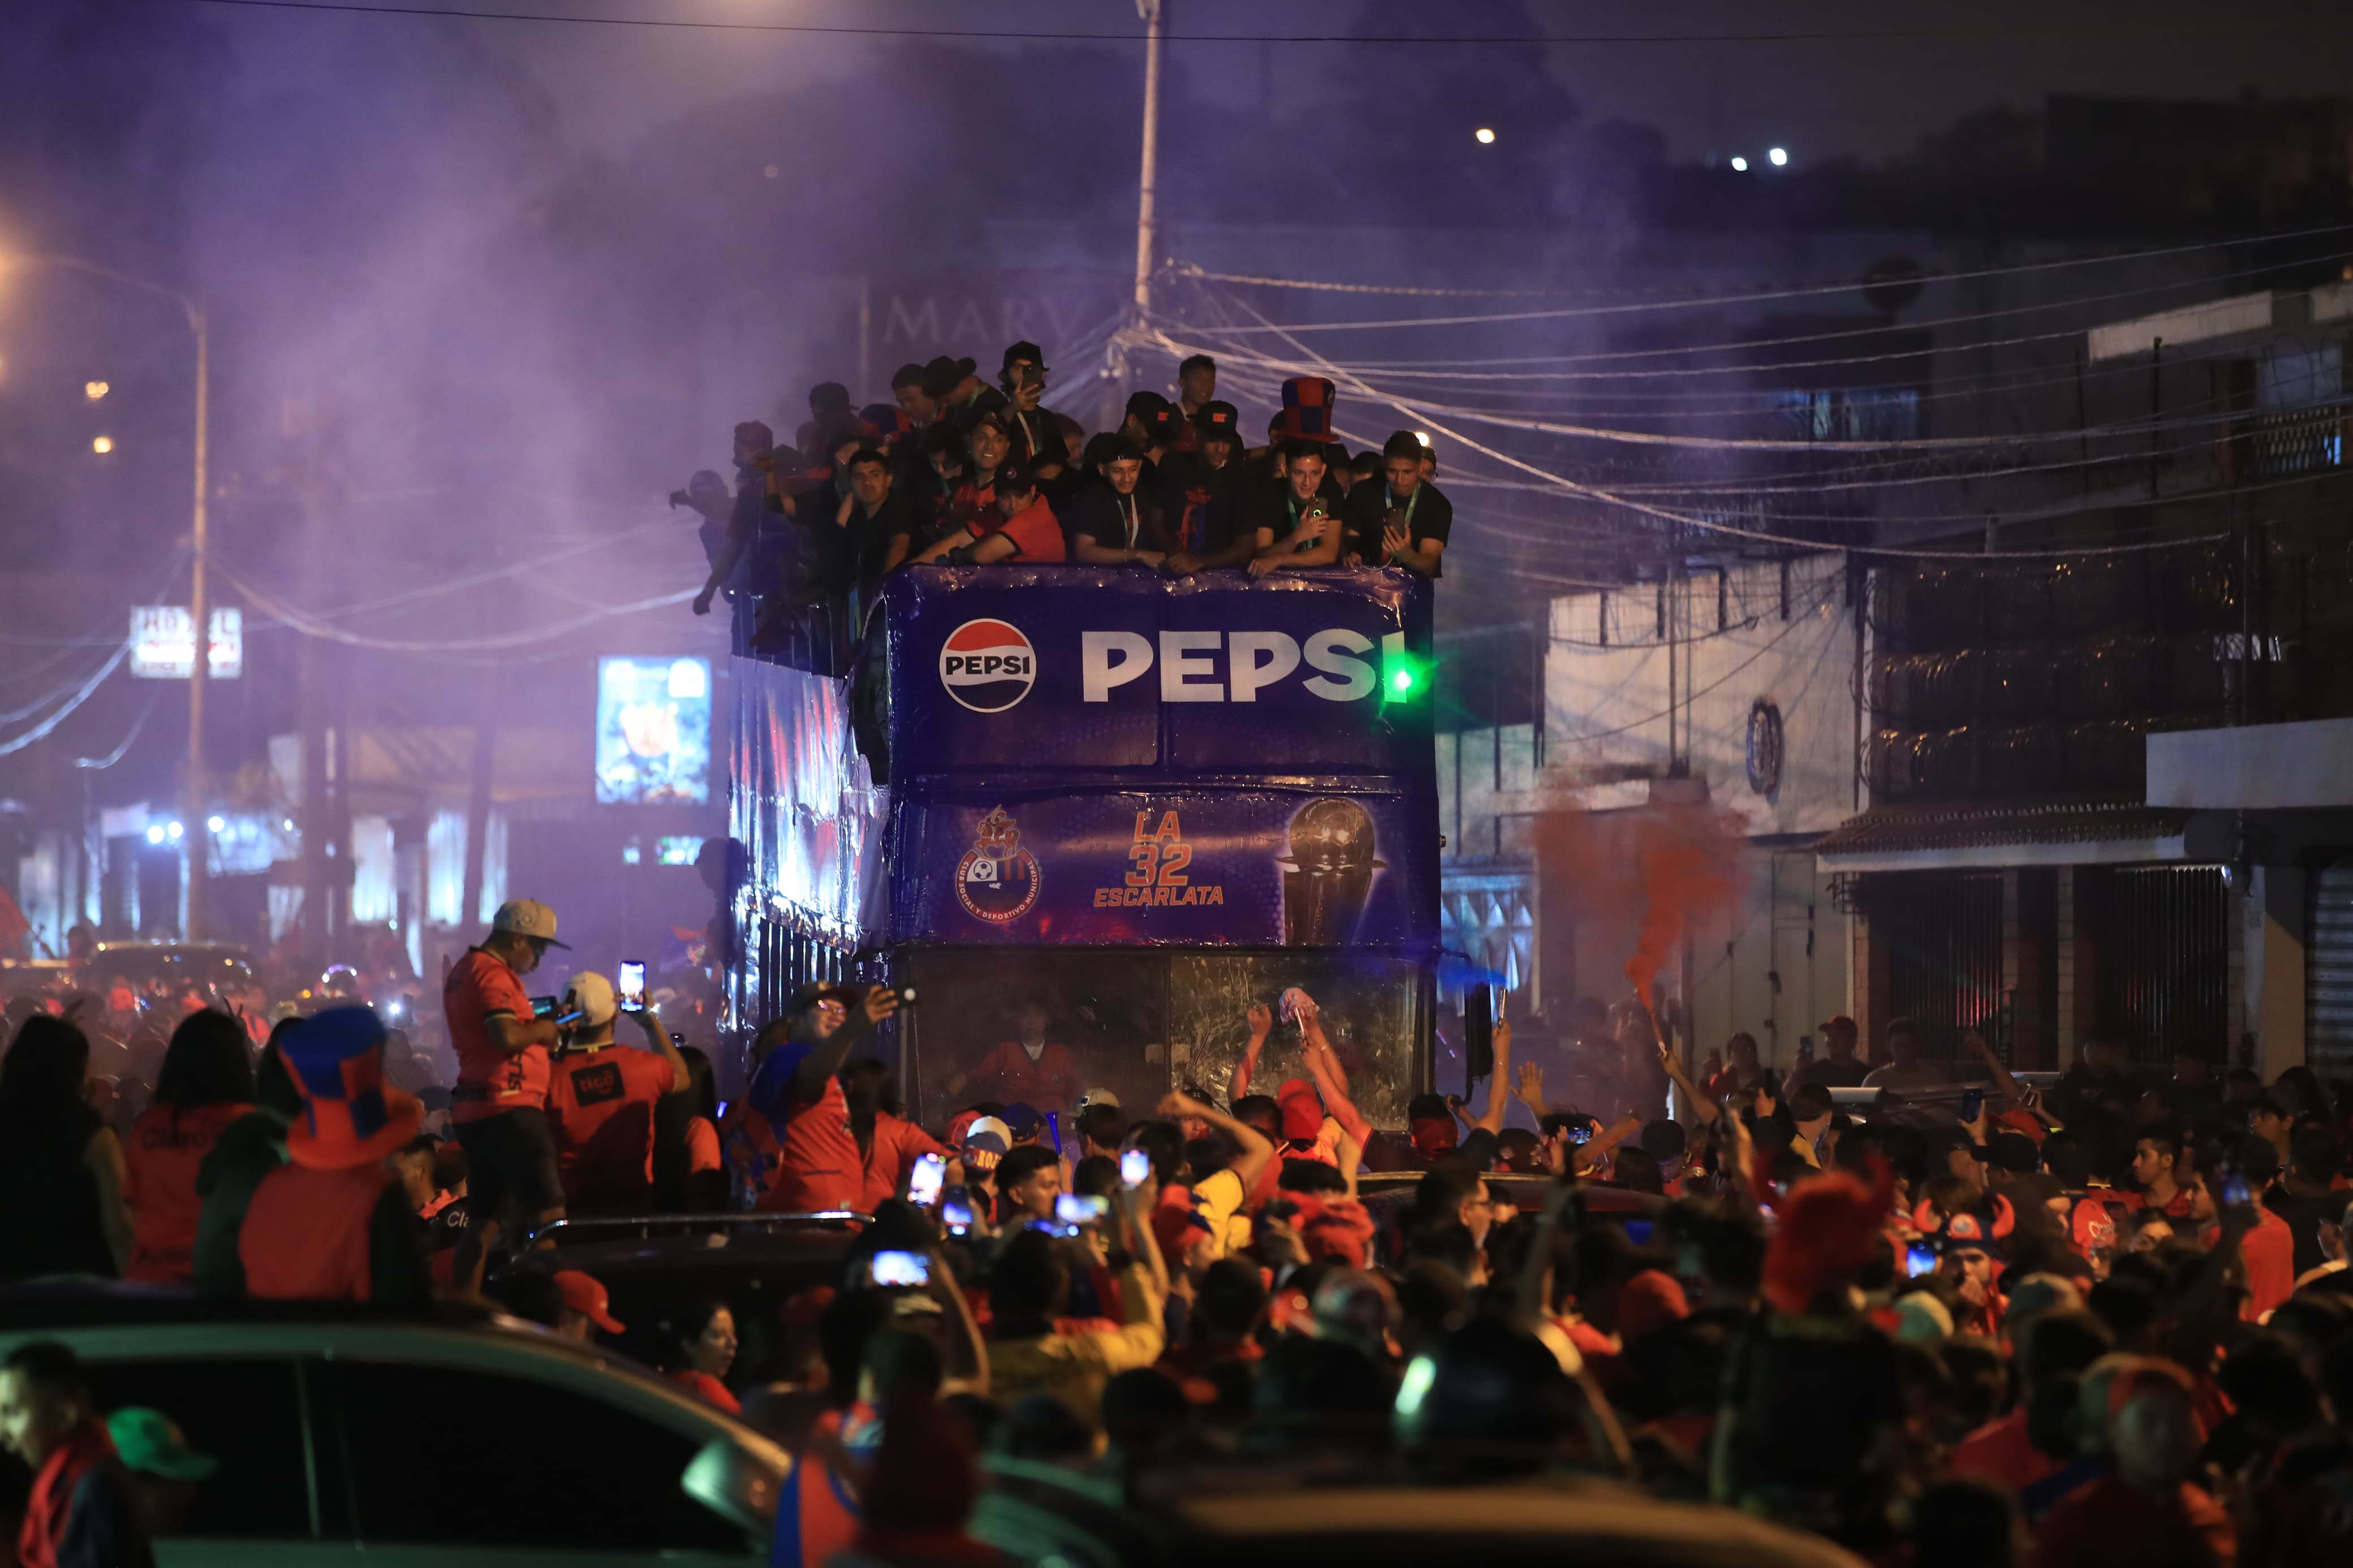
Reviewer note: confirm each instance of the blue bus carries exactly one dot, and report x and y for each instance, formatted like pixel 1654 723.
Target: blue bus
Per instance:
pixel 1092 815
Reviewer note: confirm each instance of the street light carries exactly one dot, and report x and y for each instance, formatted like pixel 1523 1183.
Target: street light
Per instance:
pixel 199 604
pixel 1739 165
pixel 1780 156
pixel 1487 137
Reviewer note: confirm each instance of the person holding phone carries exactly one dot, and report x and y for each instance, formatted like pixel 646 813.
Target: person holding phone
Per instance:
pixel 795 1122
pixel 601 1099
pixel 499 1104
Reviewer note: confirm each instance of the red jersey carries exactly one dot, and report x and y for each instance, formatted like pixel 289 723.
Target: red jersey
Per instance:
pixel 890 1159
pixel 708 1388
pixel 160 1157
pixel 1999 1451
pixel 2112 1523
pixel 702 1145
pixel 600 1106
pixel 1050 1083
pixel 2269 1250
pixel 305 1236
pixel 1036 533
pixel 817 1163
pixel 490 1080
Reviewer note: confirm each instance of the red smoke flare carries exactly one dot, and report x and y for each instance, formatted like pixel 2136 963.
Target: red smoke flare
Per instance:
pixel 1680 861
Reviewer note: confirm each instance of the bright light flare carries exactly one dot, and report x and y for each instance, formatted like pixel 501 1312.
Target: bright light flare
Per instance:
pixel 1486 136
pixel 1780 157
pixel 1740 165
pixel 94 390
pixel 101 445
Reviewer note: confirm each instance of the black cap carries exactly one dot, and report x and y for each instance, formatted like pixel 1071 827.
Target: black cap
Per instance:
pixel 1143 404
pixel 943 376
pixel 829 395
pixel 1156 414
pixel 1015 480
pixel 1026 350
pixel 1219 419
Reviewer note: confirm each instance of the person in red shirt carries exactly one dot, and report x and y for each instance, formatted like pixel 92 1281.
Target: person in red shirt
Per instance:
pixel 1029 1068
pixel 80 1509
pixel 500 1104
pixel 206 1082
pixel 1026 531
pixel 702 1347
pixel 600 1101
pixel 796 1116
pixel 888 1143
pixel 335 1223
pixel 2147 1510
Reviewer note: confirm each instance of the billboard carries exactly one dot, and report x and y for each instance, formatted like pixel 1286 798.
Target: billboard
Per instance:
pixel 1114 758
pixel 653 731
pixel 163 642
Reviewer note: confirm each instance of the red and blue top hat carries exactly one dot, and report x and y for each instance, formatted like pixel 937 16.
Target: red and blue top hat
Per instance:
pixel 1307 408
pixel 350 1116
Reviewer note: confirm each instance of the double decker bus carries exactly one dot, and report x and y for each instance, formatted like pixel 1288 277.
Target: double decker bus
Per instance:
pixel 1102 813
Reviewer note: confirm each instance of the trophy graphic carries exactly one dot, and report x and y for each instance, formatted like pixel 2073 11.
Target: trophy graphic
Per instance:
pixel 1329 873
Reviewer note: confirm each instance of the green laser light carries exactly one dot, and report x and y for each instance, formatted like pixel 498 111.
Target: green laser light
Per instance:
pixel 1401 681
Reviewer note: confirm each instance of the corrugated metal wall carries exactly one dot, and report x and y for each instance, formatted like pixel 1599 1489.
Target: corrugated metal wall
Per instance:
pixel 2165 961
pixel 2328 973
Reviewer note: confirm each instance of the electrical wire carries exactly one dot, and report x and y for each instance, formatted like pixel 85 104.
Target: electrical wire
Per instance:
pixel 1787 36
pixel 116 755
pixel 42 730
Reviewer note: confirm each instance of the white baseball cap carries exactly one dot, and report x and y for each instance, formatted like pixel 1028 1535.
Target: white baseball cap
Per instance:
pixel 590 994
pixel 528 917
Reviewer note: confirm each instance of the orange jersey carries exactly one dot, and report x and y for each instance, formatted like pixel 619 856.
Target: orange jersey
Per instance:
pixel 490 1080
pixel 160 1157
pixel 600 1105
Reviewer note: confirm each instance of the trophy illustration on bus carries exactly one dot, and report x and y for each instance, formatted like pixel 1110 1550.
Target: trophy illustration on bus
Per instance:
pixel 1329 873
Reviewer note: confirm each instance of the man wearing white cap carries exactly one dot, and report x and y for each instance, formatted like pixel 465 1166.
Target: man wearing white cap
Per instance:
pixel 600 1101
pixel 500 1105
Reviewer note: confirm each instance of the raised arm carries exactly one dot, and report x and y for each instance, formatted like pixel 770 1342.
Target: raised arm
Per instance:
pixel 825 1060
pixel 658 1040
pixel 1256 1153
pixel 1498 1099
pixel 1261 1023
pixel 1324 1067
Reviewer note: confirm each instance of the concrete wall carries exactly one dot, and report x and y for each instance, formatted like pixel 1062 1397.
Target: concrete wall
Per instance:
pixel 1606 691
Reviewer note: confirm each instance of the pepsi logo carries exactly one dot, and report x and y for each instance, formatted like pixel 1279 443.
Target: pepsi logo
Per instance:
pixel 988 665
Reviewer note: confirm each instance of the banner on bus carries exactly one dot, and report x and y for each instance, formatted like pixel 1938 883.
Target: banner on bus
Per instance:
pixel 1247 868
pixel 1037 670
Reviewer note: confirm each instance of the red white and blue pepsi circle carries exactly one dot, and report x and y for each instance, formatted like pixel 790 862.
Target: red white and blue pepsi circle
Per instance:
pixel 988 665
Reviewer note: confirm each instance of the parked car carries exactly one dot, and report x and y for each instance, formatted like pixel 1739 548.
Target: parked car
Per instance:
pixel 348 1436
pixel 178 964
pixel 1274 1516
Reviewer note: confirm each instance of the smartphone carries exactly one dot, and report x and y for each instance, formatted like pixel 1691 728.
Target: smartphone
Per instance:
pixel 633 985
pixel 892 1268
pixel 923 1186
pixel 1581 1132
pixel 543 1007
pixel 2235 1191
pixel 1075 1210
pixel 1054 1130
pixel 1972 1103
pixel 955 1211
pixel 723 1104
pixel 1134 1167
pixel 1919 1260
pixel 1637 1231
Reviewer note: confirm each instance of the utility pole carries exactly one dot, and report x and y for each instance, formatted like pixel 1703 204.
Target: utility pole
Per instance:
pixel 1155 15
pixel 198 835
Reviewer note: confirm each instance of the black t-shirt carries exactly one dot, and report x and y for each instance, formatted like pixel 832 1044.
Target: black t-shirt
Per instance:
pixel 1203 504
pixel 1427 515
pixel 870 537
pixel 1037 438
pixel 1274 508
pixel 1116 523
pixel 2303 1217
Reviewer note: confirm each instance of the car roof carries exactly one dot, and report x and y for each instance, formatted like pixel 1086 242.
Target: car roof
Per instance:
pixel 1274 1507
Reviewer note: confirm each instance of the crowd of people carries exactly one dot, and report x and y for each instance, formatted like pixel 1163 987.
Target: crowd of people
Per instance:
pixel 956 472
pixel 2109 1322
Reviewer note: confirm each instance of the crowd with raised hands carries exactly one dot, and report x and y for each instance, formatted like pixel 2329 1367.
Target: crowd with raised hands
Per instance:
pixel 2109 1322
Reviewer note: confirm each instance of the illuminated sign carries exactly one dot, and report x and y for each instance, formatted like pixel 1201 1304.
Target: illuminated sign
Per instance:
pixel 163 642
pixel 653 731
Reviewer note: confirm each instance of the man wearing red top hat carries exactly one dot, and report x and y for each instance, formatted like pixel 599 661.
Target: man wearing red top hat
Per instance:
pixel 335 1223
